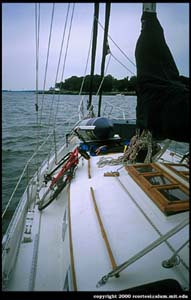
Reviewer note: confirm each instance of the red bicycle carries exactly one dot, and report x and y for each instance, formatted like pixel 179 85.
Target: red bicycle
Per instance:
pixel 61 180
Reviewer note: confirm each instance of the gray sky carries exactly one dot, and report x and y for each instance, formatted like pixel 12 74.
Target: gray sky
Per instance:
pixel 18 40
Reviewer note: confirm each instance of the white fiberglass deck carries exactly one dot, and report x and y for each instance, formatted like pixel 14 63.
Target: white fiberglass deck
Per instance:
pixel 131 222
pixel 127 229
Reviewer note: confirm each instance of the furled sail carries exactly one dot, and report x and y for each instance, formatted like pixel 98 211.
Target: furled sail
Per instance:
pixel 162 94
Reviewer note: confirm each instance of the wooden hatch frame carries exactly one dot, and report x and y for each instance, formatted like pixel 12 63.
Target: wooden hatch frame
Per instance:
pixel 154 190
pixel 183 173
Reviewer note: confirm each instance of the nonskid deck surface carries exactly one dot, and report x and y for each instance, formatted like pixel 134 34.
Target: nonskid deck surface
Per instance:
pixel 127 228
pixel 39 265
pixel 130 221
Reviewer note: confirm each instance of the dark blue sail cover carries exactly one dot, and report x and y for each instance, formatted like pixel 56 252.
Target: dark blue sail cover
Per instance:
pixel 162 95
pixel 103 128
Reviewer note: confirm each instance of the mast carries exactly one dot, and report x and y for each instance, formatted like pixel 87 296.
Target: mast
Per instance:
pixel 104 53
pixel 93 55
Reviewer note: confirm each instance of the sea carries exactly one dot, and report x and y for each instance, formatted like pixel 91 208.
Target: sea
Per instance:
pixel 24 127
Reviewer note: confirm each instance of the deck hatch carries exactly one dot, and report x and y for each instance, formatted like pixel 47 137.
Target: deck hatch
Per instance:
pixel 174 194
pixel 146 169
pixel 158 180
pixel 169 194
pixel 180 169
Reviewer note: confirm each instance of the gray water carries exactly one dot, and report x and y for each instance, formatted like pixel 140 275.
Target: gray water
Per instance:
pixel 19 132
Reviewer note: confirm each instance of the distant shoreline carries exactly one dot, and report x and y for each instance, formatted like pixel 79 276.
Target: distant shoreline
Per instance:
pixel 70 92
pixel 20 91
pixel 85 93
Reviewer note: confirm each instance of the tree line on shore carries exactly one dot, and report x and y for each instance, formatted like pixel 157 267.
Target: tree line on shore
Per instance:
pixel 110 84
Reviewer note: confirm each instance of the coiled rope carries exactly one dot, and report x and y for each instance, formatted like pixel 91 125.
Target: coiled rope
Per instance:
pixel 137 143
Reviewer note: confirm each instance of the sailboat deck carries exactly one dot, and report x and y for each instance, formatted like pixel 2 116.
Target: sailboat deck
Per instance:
pixel 130 221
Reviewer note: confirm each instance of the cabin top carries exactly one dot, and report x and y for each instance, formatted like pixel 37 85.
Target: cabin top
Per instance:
pixel 105 217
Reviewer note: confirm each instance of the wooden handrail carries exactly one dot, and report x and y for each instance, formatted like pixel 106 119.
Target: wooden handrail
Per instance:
pixel 71 245
pixel 112 259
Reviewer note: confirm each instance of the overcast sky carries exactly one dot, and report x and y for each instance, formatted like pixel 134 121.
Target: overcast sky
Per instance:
pixel 18 40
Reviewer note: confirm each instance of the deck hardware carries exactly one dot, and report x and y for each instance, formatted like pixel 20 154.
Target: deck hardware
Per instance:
pixel 30 227
pixel 26 230
pixel 162 151
pixel 143 252
pixel 27 240
pixel 174 260
pixel 89 169
pixel 103 281
pixel 111 174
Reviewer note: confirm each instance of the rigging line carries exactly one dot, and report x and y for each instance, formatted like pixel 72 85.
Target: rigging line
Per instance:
pixel 63 69
pixel 80 108
pixel 58 65
pixel 37 28
pixel 86 65
pixel 123 64
pixel 97 93
pixel 22 174
pixel 118 46
pixel 37 36
pixel 46 68
pixel 104 75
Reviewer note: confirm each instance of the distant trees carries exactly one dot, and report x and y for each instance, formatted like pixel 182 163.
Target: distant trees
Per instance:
pixel 110 84
pixel 132 84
